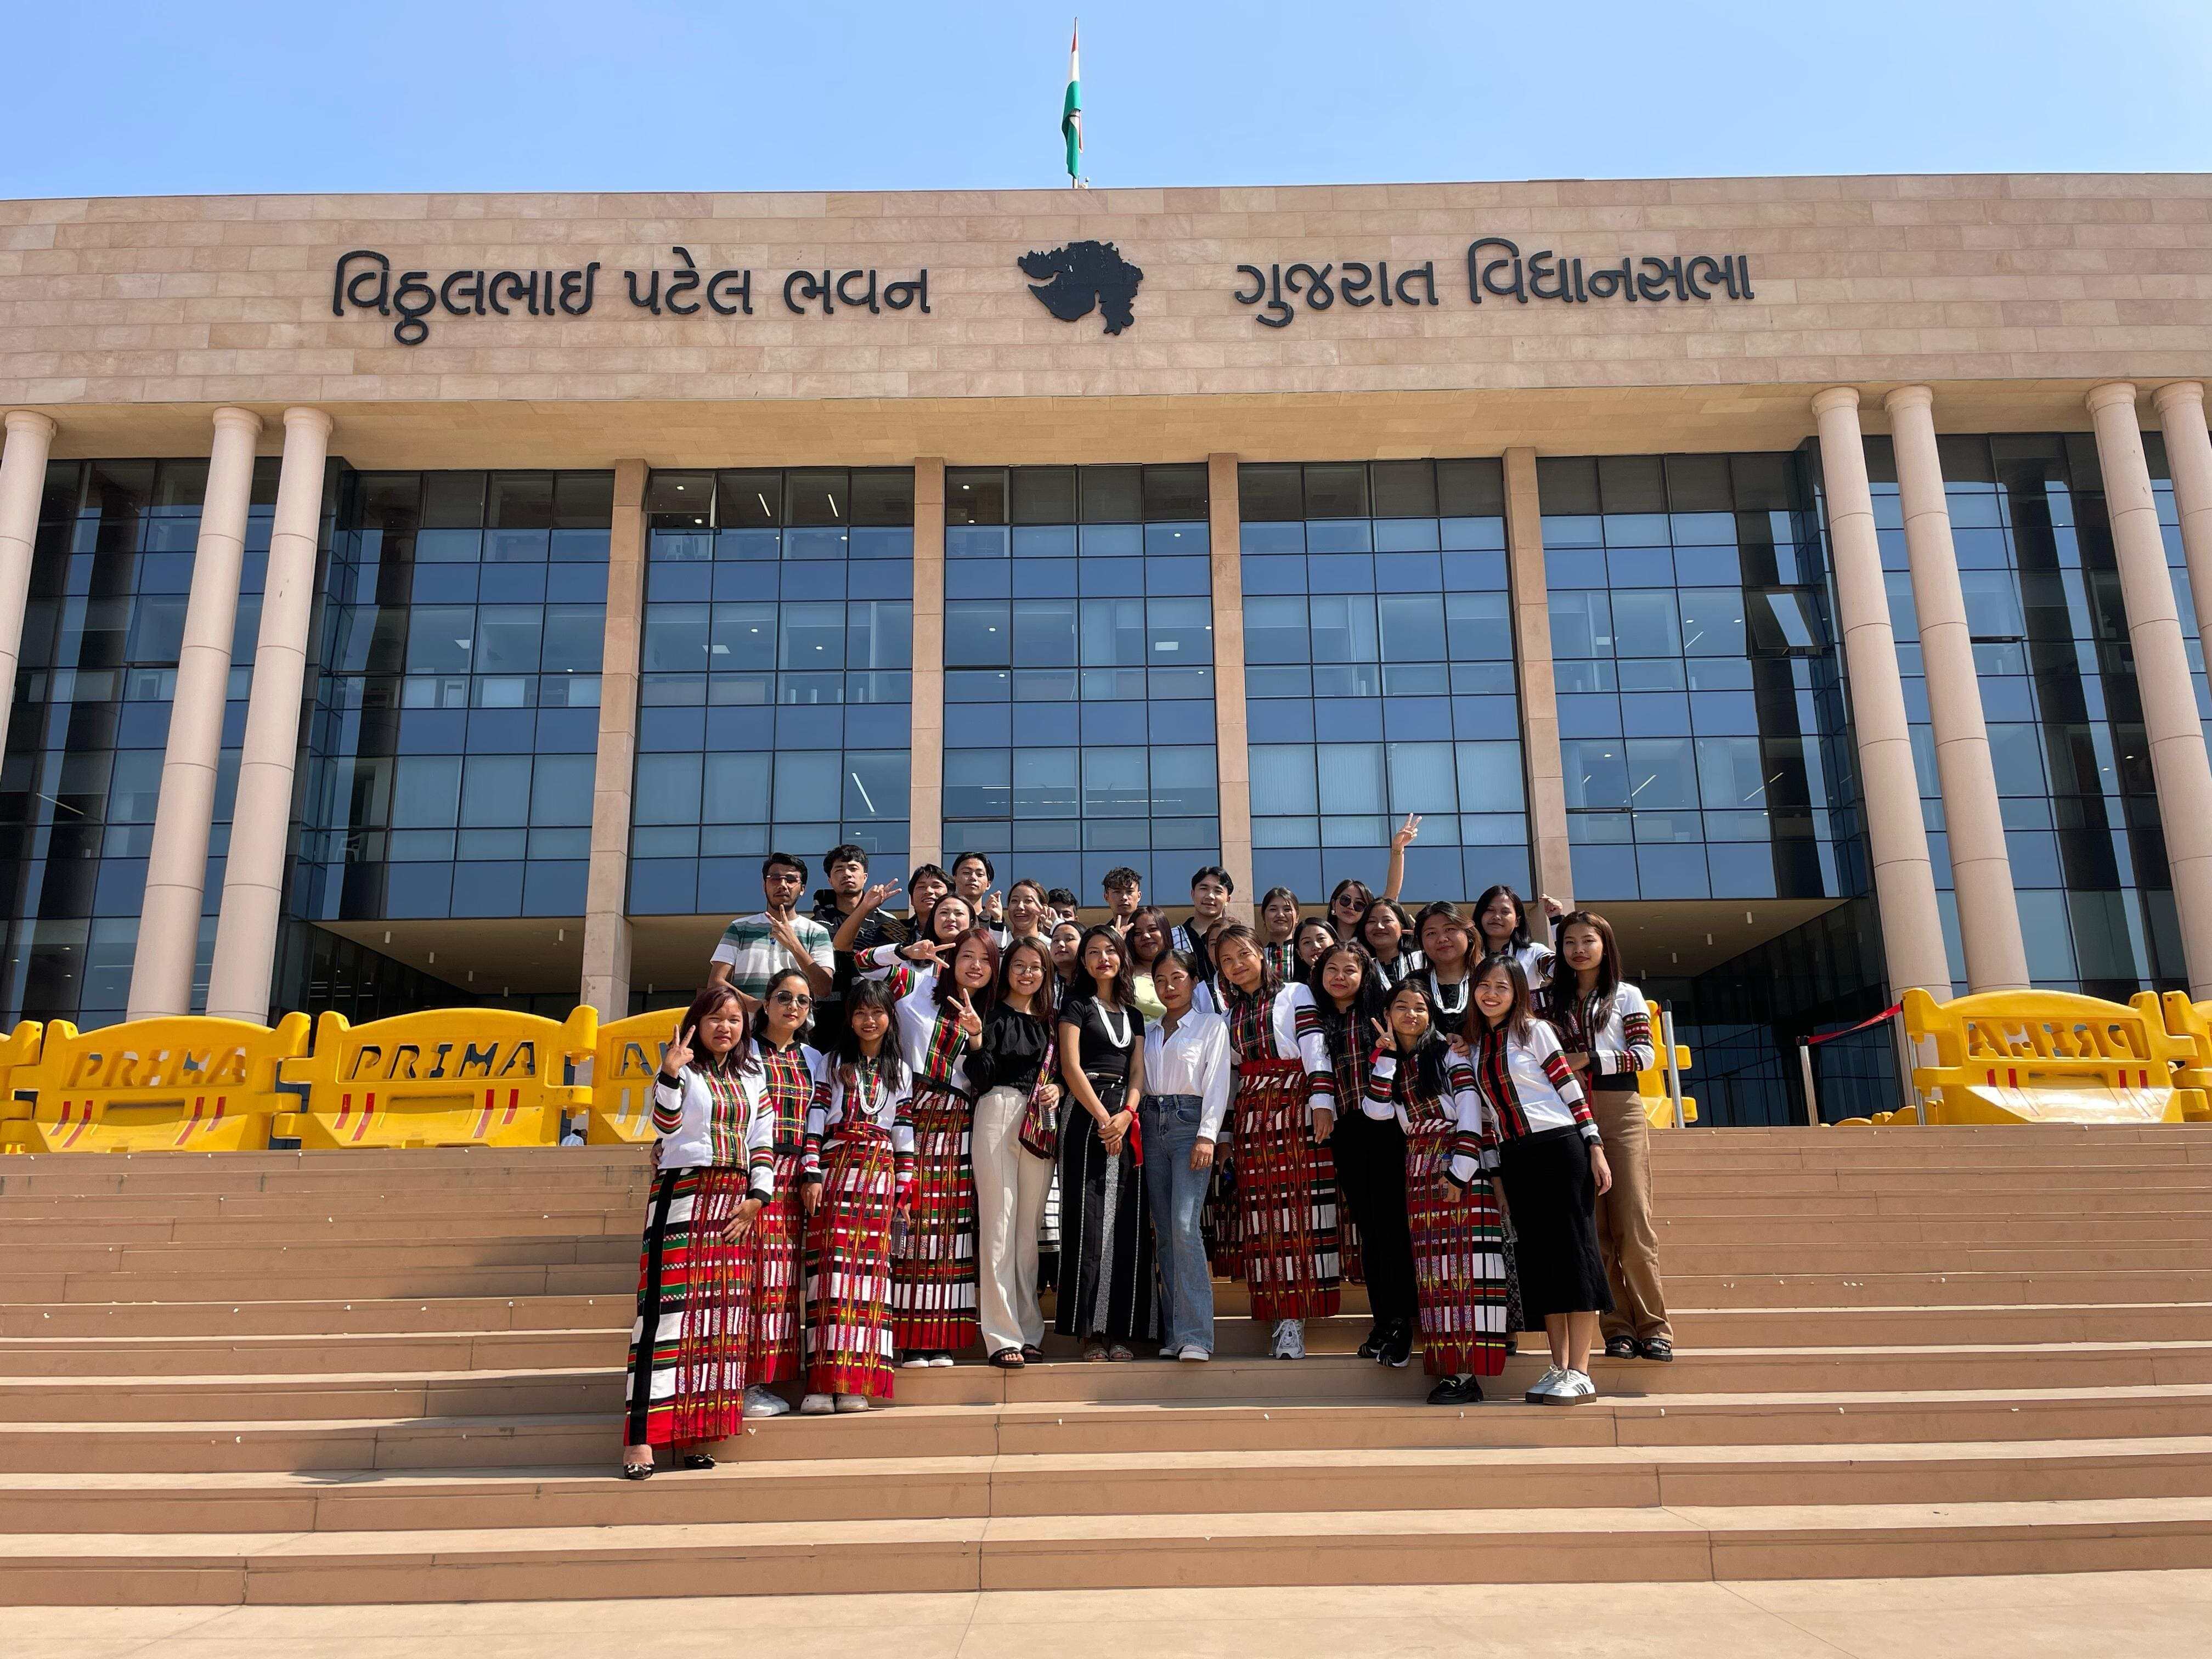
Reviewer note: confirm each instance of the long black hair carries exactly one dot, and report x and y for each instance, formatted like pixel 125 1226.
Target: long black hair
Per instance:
pixel 889 1062
pixel 712 998
pixel 1518 1019
pixel 1519 939
pixel 1427 1071
pixel 1082 984
pixel 757 1027
pixel 1349 1028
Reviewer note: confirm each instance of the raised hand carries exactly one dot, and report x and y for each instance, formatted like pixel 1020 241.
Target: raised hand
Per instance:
pixel 879 894
pixel 1553 908
pixel 678 1055
pixel 1381 1033
pixel 994 907
pixel 970 1022
pixel 787 936
pixel 923 951
pixel 1407 833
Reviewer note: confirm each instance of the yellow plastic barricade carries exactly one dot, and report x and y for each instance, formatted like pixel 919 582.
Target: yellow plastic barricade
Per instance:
pixel 2047 1057
pixel 447 1077
pixel 182 1083
pixel 18 1050
pixel 1651 1086
pixel 2192 1022
pixel 621 1076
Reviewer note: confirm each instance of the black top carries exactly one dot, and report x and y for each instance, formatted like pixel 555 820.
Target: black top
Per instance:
pixel 1101 1059
pixel 875 928
pixel 1008 1053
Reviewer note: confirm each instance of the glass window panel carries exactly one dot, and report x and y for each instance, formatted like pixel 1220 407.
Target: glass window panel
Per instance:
pixel 812 636
pixel 496 791
pixel 1596 773
pixel 441 639
pixel 1045 783
pixel 737 791
pixel 1490 779
pixel 1730 773
pixel 668 789
pixel 1270 492
pixel 1044 633
pixel 977 635
pixel 1182 630
pixel 1113 633
pixel 1344 627
pixel 561 790
pixel 1175 492
pixel 1478 628
pixel 1182 782
pixel 1275 629
pixel 806 784
pixel 1283 780
pixel 876 785
pixel 1581 624
pixel 1112 495
pixel 426 791
pixel 1113 783
pixel 1351 777
pixel 1412 628
pixel 1421 778
pixel 1712 621
pixel 1646 624
pixel 506 638
pixel 975 782
pixel 675 638
pixel 2016 755
pixel 879 634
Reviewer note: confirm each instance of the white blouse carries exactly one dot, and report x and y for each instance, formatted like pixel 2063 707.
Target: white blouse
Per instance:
pixel 1192 1060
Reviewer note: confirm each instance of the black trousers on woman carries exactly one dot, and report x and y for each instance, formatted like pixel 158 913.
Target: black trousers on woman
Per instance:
pixel 1370 1180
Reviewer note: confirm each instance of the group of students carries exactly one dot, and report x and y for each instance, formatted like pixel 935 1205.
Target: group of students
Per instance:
pixel 878 1133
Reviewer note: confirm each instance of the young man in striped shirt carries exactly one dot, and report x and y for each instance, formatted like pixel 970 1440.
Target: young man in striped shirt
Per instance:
pixel 755 948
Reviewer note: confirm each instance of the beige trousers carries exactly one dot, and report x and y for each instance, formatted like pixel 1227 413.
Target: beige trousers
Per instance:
pixel 1010 1192
pixel 1626 1236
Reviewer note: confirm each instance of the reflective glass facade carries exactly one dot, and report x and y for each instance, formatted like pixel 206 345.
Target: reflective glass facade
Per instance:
pixel 1379 677
pixel 775 689
pixel 1079 673
pixel 109 579
pixel 456 709
pixel 1700 712
pixel 2059 693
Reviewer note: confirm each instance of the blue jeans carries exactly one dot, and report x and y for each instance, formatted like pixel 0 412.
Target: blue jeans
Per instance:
pixel 1178 1196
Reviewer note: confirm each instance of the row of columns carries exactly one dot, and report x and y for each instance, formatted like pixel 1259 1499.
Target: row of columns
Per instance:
pixel 1996 954
pixel 261 822
pixel 1905 884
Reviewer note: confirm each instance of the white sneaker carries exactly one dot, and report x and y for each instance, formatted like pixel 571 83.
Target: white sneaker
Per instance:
pixel 763 1403
pixel 914 1362
pixel 816 1405
pixel 1192 1351
pixel 1289 1339
pixel 1547 1389
pixel 852 1402
pixel 1577 1389
pixel 941 1359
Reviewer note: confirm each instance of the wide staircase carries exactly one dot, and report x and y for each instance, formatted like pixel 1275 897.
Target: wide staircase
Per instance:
pixel 395 1377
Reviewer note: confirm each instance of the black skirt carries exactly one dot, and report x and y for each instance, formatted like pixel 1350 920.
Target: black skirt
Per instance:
pixel 1554 1204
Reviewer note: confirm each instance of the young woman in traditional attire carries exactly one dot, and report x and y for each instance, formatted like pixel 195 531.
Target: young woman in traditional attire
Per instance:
pixel 794 1079
pixel 1459 1266
pixel 1314 936
pixel 1505 928
pixel 937 981
pixel 1108 1280
pixel 714 1170
pixel 1012 1067
pixel 1387 933
pixel 1607 1029
pixel 1448 944
pixel 1370 1153
pixel 1526 1104
pixel 1279 920
pixel 1284 1184
pixel 858 1171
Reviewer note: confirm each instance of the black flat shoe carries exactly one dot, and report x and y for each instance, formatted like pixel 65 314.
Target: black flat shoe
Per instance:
pixel 1032 1354
pixel 1656 1348
pixel 695 1460
pixel 1456 1391
pixel 1009 1359
pixel 1621 1347
pixel 1372 1347
pixel 637 1471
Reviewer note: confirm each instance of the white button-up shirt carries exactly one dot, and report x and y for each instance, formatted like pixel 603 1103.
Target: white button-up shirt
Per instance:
pixel 1192 1060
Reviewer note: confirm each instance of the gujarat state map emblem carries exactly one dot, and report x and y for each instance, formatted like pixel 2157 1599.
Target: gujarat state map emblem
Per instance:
pixel 1072 281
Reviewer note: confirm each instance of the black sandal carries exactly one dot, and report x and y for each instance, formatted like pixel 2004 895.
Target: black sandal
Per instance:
pixel 637 1471
pixel 695 1460
pixel 1032 1354
pixel 1009 1359
pixel 1656 1348
pixel 1621 1347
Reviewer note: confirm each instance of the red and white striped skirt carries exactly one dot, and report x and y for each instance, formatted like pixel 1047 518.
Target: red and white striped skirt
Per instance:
pixel 1286 1197
pixel 848 1267
pixel 1459 1261
pixel 779 1243
pixel 933 1252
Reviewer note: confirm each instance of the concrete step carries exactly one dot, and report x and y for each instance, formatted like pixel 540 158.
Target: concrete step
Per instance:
pixel 1197 1425
pixel 1164 1483
pixel 1059 1552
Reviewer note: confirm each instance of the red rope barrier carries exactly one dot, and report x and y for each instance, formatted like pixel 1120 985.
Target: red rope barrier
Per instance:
pixel 1890 1012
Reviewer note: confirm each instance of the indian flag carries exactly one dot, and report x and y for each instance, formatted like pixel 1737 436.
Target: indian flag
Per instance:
pixel 1071 114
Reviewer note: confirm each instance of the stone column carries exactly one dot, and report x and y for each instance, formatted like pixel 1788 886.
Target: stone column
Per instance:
pixel 261 820
pixel 1981 868
pixel 925 782
pixel 1232 737
pixel 30 437
pixel 2178 763
pixel 606 893
pixel 1543 770
pixel 1904 881
pixel 2189 460
pixel 176 868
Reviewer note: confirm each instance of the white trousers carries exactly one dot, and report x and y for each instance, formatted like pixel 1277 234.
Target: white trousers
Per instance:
pixel 1010 1192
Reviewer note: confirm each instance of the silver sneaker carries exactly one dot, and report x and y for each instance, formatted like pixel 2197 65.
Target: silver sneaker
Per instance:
pixel 1290 1340
pixel 816 1405
pixel 1192 1352
pixel 763 1403
pixel 1545 1392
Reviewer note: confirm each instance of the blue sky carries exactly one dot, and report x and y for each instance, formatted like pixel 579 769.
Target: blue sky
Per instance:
pixel 114 97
